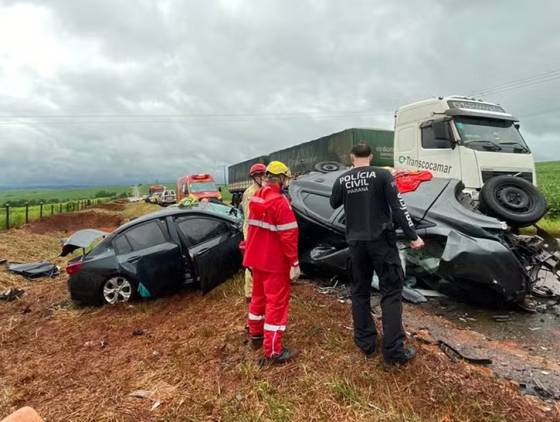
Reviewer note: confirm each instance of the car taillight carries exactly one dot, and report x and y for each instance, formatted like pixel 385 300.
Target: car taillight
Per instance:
pixel 74 267
pixel 408 181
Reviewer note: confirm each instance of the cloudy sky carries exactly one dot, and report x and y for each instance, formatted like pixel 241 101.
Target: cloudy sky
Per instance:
pixel 122 91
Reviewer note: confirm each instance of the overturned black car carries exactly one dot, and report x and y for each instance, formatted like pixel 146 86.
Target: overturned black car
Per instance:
pixel 467 254
pixel 156 254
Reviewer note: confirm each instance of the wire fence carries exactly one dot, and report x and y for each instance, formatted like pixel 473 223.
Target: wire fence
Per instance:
pixel 11 217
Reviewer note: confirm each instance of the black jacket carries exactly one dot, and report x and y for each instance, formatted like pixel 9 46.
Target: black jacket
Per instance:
pixel 371 204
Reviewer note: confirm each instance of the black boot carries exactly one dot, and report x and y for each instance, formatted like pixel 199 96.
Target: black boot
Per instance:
pixel 284 356
pixel 257 342
pixel 405 357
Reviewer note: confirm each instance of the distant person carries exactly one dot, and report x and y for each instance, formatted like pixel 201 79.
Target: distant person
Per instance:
pixel 371 204
pixel 257 174
pixel 272 254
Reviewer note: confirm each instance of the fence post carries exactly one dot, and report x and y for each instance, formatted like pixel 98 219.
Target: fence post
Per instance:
pixel 60 208
pixel 41 209
pixel 26 212
pixel 7 216
pixel 52 209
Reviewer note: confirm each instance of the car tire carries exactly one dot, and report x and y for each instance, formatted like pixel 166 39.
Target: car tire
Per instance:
pixel 117 289
pixel 513 199
pixel 328 166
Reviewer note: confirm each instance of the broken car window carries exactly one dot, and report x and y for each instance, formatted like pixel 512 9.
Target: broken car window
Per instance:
pixel 145 236
pixel 99 249
pixel 198 230
pixel 122 245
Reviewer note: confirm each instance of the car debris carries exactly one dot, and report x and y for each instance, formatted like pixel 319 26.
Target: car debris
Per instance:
pixel 12 293
pixel 34 269
pixel 468 255
pixel 501 318
pixel 455 353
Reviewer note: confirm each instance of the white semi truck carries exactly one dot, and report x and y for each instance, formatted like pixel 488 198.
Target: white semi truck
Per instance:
pixel 453 137
pixel 478 143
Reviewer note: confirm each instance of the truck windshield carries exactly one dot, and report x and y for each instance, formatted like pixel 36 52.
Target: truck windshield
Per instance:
pixel 490 135
pixel 203 187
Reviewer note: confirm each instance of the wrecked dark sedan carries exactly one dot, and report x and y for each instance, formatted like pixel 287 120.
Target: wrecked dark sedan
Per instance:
pixel 157 254
pixel 467 254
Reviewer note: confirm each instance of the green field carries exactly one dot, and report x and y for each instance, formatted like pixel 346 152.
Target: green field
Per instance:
pixel 548 179
pixel 18 197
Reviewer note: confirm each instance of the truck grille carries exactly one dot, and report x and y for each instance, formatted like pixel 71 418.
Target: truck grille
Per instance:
pixel 486 175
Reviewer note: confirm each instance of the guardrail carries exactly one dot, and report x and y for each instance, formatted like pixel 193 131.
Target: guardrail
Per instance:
pixel 11 217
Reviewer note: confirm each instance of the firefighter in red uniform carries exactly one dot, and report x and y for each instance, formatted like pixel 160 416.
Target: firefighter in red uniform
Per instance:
pixel 272 254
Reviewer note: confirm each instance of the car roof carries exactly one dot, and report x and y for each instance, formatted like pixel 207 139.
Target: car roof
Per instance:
pixel 177 211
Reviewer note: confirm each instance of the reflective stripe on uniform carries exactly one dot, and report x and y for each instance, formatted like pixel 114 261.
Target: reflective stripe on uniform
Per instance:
pixel 271 327
pixel 254 317
pixel 272 227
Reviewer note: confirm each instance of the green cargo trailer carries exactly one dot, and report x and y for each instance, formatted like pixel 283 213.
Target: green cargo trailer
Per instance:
pixel 322 153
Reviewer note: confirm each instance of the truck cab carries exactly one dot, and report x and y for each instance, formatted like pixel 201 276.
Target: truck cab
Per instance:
pixel 198 187
pixel 478 143
pixel 461 138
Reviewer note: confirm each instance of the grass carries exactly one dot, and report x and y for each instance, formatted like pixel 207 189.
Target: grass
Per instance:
pixel 548 179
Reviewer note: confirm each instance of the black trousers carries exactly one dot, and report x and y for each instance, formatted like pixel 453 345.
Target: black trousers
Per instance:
pixel 381 255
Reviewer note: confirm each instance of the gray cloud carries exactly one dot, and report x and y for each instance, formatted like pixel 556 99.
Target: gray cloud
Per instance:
pixel 238 71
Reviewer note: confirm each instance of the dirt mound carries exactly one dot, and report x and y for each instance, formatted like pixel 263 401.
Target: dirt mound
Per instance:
pixel 69 223
pixel 112 206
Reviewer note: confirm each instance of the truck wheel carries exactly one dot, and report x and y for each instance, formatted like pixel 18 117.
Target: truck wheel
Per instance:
pixel 513 199
pixel 328 166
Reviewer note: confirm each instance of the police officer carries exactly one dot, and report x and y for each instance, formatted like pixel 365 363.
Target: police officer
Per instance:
pixel 371 204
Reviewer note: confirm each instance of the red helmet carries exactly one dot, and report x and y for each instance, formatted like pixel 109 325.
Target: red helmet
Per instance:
pixel 257 168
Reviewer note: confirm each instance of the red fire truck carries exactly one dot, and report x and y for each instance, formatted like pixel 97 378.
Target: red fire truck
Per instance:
pixel 198 187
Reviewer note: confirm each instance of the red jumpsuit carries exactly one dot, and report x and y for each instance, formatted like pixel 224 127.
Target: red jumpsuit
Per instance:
pixel 271 250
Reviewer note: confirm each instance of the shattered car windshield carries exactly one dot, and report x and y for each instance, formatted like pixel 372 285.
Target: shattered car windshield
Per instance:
pixel 490 135
pixel 204 187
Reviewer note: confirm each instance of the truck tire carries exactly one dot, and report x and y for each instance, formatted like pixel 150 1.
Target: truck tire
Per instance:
pixel 328 166
pixel 513 199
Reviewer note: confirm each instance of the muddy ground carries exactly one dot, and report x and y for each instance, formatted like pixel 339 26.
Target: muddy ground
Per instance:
pixel 186 356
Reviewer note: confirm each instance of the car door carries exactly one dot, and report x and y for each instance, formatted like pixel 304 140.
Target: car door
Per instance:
pixel 213 246
pixel 147 255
